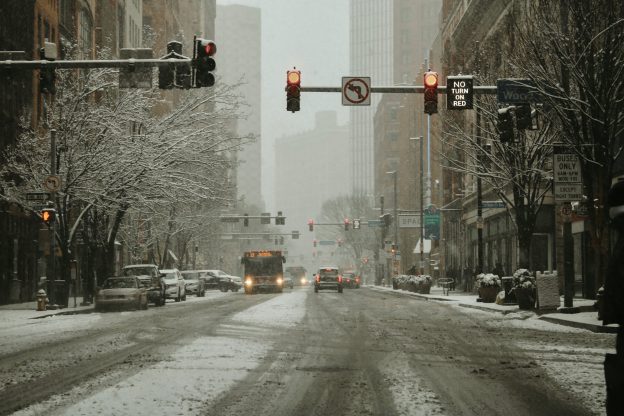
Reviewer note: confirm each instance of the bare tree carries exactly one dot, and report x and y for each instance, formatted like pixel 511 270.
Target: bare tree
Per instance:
pixel 576 62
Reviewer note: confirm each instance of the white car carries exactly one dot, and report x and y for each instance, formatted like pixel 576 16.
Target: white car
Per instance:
pixel 175 286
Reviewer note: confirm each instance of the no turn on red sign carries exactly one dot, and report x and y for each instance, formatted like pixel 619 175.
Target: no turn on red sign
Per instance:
pixel 356 90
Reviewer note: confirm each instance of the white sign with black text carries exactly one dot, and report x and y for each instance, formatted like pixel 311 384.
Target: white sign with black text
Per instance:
pixel 459 92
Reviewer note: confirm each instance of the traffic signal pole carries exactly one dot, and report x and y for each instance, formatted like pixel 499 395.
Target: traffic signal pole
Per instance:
pixel 105 63
pixel 52 227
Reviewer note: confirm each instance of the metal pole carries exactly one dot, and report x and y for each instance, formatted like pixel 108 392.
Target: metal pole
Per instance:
pixel 51 258
pixel 479 190
pixel 422 211
pixel 396 217
pixel 428 159
pixel 383 236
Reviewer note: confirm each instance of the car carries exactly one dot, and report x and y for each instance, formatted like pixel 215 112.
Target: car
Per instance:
pixel 288 282
pixel 121 292
pixel 218 279
pixel 175 287
pixel 350 280
pixel 238 281
pixel 328 277
pixel 195 282
pixel 151 279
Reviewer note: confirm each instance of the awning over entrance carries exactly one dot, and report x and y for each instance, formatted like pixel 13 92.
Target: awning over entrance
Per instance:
pixel 426 248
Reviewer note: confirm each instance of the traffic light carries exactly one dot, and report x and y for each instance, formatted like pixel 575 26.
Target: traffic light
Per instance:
pixel 523 117
pixel 280 219
pixel 505 125
pixel 346 224
pixel 293 90
pixel 431 92
pixel 314 242
pixel 165 77
pixel 246 220
pixel 386 220
pixel 48 216
pixel 47 76
pixel 294 235
pixel 339 243
pixel 204 63
pixel 311 224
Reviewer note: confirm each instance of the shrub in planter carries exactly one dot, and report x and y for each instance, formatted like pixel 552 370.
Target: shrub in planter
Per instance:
pixel 489 285
pixel 524 288
pixel 421 283
pixel 399 281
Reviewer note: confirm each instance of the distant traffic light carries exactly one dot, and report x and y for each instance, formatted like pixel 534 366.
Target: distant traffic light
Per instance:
pixel 48 216
pixel 204 63
pixel 311 224
pixel 280 219
pixel 505 125
pixel 431 92
pixel 293 90
pixel 294 235
pixel 346 224
pixel 246 220
pixel 314 242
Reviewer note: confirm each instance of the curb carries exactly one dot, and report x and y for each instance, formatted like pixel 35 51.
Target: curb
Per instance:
pixel 582 325
pixel 78 312
pixel 486 309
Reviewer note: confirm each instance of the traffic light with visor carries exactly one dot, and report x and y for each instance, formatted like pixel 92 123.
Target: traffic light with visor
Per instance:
pixel 311 224
pixel 431 92
pixel 346 224
pixel 293 90
pixel 505 125
pixel 204 62
pixel 246 220
pixel 48 216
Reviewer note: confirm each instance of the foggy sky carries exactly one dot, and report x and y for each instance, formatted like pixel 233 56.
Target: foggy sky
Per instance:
pixel 314 37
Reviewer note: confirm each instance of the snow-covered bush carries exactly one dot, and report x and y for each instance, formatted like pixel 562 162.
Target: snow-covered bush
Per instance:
pixel 522 278
pixel 488 280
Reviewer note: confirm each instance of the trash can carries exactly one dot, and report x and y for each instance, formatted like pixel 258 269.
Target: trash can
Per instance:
pixel 61 292
pixel 510 296
pixel 599 304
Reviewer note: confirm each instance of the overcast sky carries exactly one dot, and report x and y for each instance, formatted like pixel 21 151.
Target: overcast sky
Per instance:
pixel 314 37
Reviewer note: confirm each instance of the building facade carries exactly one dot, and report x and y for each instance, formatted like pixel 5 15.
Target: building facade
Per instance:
pixel 311 168
pixel 238 34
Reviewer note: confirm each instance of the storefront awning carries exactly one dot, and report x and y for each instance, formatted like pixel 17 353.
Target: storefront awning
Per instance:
pixel 426 248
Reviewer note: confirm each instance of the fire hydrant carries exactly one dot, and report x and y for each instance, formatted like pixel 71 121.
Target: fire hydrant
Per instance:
pixel 42 300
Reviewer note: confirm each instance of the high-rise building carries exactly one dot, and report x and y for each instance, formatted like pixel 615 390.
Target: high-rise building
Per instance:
pixel 311 170
pixel 238 32
pixel 389 40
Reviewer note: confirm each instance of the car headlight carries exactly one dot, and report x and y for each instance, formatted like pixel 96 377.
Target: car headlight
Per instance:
pixel 248 282
pixel 280 280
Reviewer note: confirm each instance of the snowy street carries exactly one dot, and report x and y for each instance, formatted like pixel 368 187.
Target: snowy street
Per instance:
pixel 357 353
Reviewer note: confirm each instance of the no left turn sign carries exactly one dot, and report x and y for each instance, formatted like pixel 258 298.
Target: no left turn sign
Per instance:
pixel 356 90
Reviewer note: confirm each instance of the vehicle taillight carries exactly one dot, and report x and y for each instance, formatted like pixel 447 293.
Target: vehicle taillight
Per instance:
pixel 357 280
pixel 318 278
pixel 339 279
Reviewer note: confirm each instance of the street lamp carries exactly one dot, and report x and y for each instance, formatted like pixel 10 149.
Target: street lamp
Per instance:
pixel 422 209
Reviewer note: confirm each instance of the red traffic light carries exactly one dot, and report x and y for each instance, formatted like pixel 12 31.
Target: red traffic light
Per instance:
pixel 207 47
pixel 431 79
pixel 293 77
pixel 346 224
pixel 431 92
pixel 311 224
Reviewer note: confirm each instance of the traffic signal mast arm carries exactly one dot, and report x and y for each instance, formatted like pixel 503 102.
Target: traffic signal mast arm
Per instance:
pixel 415 89
pixel 110 63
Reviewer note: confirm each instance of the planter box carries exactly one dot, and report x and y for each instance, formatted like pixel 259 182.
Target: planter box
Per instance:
pixel 488 293
pixel 525 298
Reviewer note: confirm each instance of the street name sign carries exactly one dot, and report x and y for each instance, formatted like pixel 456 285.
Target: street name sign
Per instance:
pixel 516 91
pixel 459 92
pixel 492 204
pixel 409 221
pixel 229 219
pixel 374 223
pixel 265 218
pixel 327 243
pixel 356 91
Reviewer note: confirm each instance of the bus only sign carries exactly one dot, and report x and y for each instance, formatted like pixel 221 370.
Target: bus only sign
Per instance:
pixel 459 92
